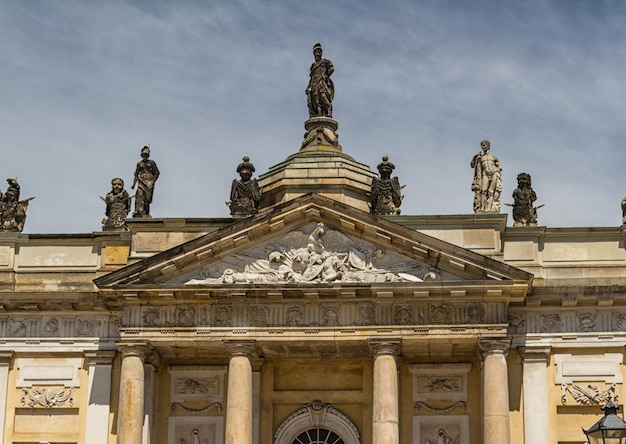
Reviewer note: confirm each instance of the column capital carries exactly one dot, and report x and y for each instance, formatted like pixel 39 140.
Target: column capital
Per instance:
pixel 153 360
pixel 491 346
pixel 384 346
pixel 99 357
pixel 535 354
pixel 6 358
pixel 138 349
pixel 240 348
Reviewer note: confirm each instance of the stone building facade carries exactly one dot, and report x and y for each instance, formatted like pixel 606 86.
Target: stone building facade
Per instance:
pixel 312 321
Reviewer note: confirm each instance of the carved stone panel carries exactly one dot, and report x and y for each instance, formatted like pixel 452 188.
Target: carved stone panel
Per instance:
pixel 195 430
pixel 441 429
pixel 196 383
pixel 440 381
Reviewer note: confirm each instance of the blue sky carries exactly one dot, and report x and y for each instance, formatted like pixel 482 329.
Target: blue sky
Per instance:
pixel 84 85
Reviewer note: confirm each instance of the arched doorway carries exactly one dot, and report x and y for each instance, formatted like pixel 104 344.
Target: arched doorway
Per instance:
pixel 317 423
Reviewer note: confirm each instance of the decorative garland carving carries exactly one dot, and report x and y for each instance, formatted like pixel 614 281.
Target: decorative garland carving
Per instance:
pixel 419 404
pixel 216 405
pixel 589 395
pixel 48 397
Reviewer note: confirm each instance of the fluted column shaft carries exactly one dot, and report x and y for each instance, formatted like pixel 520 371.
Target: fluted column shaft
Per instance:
pixel 132 386
pixel 385 417
pixel 536 424
pixel 496 429
pixel 239 397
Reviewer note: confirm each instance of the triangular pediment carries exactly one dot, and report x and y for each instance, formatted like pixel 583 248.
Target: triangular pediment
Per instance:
pixel 313 240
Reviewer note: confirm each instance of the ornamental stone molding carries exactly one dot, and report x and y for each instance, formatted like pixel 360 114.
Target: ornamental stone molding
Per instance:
pixel 47 397
pixel 437 429
pixel 61 326
pixel 308 313
pixel 313 415
pixel 196 383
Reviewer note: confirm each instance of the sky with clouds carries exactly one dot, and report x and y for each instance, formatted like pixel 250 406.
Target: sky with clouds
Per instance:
pixel 85 84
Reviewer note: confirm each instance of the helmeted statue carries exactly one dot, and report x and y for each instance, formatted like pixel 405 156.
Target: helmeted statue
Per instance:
pixel 146 175
pixel 320 91
pixel 386 195
pixel 12 210
pixel 117 207
pixel 487 183
pixel 524 214
pixel 245 194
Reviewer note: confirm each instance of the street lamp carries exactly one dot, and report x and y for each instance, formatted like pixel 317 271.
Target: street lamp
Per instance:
pixel 611 429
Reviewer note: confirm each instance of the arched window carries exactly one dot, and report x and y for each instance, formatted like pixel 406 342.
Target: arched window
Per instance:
pixel 318 436
pixel 317 423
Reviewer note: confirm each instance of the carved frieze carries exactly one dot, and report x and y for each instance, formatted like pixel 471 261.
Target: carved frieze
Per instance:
pixel 313 254
pixel 550 323
pixel 294 316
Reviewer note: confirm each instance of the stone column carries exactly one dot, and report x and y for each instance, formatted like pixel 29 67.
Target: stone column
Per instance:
pixel 535 390
pixel 130 413
pixel 495 391
pixel 239 396
pixel 385 392
pixel 6 360
pixel 151 366
pixel 99 364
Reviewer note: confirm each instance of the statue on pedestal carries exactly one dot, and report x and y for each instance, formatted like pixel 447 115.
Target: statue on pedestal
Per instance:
pixel 524 214
pixel 244 193
pixel 320 91
pixel 146 175
pixel 117 207
pixel 487 183
pixel 386 195
pixel 12 210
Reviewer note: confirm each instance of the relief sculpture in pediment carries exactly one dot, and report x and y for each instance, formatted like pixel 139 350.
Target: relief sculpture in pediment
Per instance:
pixel 314 254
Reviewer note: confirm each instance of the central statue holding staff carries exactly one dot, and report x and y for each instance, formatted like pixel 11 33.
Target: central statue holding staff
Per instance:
pixel 320 91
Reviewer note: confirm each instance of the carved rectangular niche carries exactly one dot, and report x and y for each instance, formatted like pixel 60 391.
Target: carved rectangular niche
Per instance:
pixel 197 383
pixel 605 367
pixel 192 430
pixel 437 429
pixel 48 372
pixel 440 381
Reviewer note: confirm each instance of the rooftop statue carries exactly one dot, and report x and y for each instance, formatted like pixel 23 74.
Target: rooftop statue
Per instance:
pixel 386 195
pixel 524 214
pixel 624 211
pixel 117 207
pixel 487 183
pixel 146 175
pixel 12 210
pixel 320 91
pixel 244 193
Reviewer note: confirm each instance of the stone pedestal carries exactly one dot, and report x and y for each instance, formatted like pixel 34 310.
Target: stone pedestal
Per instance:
pixel 132 381
pixel 536 425
pixel 239 396
pixel 385 417
pixel 496 428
